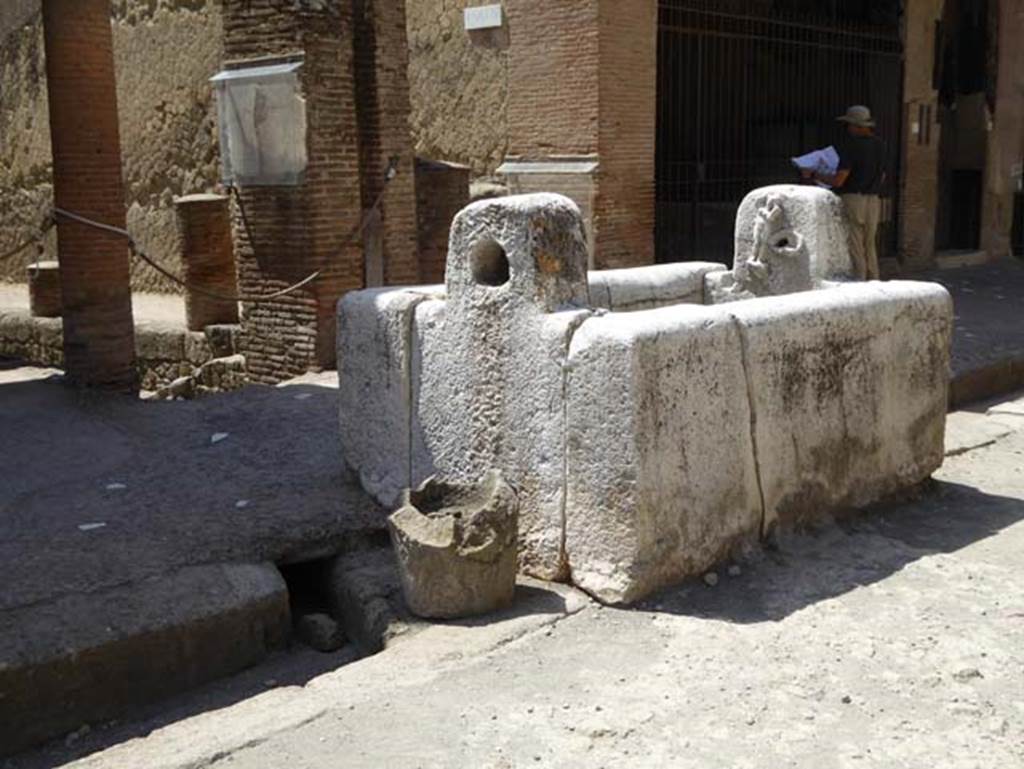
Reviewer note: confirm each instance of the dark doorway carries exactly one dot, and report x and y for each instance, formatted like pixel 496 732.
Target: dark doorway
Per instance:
pixel 965 78
pixel 743 85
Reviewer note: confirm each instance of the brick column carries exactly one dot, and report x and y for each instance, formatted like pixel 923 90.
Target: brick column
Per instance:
pixel 583 90
pixel 298 229
pixel 99 336
pixel 382 97
pixel 204 231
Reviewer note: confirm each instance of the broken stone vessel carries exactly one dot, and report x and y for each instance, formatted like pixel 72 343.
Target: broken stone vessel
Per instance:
pixel 650 419
pixel 456 546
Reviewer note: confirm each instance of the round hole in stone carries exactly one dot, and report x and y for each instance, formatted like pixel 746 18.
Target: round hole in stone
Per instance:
pixel 489 263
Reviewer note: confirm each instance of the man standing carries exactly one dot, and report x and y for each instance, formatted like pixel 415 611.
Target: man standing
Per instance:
pixel 859 182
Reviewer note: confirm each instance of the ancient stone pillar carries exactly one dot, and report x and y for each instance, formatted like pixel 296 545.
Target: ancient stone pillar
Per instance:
pixel 1006 140
pixel 99 337
pixel 204 229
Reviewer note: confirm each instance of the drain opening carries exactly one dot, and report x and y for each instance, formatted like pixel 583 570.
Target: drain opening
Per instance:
pixel 308 598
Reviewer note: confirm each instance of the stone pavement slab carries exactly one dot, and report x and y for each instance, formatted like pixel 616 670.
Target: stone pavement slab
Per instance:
pixel 988 337
pixel 87 657
pixel 106 499
pixel 100 490
pixel 893 640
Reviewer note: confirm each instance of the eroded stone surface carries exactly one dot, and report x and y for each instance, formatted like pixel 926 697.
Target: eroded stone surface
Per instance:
pixel 647 288
pixel 374 350
pixel 490 362
pixel 849 390
pixel 456 546
pixel 645 445
pixel 660 475
pixel 789 238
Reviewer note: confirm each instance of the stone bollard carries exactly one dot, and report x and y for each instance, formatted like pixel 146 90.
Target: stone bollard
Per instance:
pixel 44 290
pixel 456 547
pixel 204 226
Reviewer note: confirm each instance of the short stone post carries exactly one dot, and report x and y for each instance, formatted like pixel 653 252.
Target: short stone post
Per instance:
pixel 204 226
pixel 456 547
pixel 44 290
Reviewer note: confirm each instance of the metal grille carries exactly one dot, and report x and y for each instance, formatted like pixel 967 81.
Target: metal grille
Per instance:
pixel 743 85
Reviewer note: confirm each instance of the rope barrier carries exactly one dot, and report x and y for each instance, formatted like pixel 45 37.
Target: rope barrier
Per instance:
pixel 133 247
pixel 44 228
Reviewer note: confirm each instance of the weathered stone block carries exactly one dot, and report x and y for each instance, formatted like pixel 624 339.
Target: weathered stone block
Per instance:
pixel 44 289
pixel 153 344
pixel 647 288
pixel 789 238
pixel 456 546
pixel 660 472
pixel 849 390
pixel 375 330
pixel 320 631
pixel 197 348
pixel 490 369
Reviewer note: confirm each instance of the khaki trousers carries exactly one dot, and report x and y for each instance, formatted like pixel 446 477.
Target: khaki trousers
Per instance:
pixel 863 213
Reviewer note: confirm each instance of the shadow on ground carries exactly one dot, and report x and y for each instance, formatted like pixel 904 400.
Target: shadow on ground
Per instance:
pixel 799 570
pixel 294 668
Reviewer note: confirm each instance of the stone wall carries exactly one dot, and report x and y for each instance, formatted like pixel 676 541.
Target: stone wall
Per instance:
pixel 458 86
pixel 163 354
pixel 165 51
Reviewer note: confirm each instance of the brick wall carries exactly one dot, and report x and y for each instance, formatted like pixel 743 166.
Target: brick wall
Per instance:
pixel 919 192
pixel 98 336
pixel 382 89
pixel 293 231
pixel 553 75
pixel 442 190
pixel 625 205
pixel 582 82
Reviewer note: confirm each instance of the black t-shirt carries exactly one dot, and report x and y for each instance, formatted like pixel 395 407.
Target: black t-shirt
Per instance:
pixel 864 158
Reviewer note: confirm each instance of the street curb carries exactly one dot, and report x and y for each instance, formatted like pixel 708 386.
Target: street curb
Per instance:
pixel 87 658
pixel 999 378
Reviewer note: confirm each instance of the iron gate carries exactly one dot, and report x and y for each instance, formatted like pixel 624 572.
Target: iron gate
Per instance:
pixel 743 85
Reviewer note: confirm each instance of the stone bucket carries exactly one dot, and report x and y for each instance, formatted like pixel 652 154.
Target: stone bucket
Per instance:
pixel 456 546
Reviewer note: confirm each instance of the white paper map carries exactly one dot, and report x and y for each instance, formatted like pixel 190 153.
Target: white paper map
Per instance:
pixel 824 162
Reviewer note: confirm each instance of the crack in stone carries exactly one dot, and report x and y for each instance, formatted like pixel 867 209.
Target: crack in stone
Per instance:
pixel 563 503
pixel 752 408
pixel 408 338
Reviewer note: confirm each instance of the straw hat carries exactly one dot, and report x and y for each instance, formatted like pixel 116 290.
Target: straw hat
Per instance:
pixel 857 115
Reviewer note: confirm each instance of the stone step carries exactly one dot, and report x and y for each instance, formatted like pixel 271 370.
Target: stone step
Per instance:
pixel 364 593
pixel 86 658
